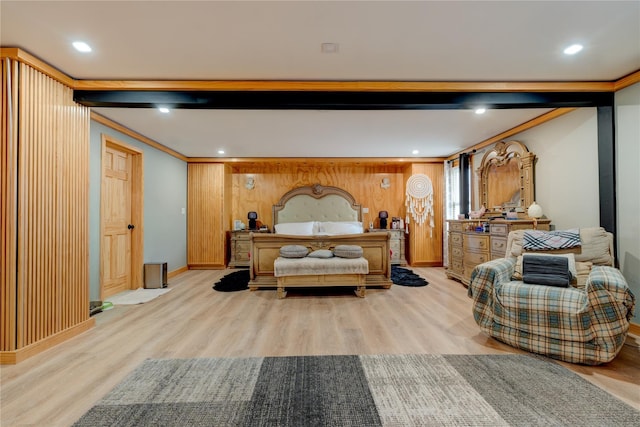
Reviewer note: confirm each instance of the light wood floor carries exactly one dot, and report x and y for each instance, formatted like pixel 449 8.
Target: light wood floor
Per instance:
pixel 56 387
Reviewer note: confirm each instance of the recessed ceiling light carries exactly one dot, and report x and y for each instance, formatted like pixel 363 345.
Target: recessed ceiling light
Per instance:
pixel 82 47
pixel 480 110
pixel 163 110
pixel 573 49
pixel 329 47
pixel 415 152
pixel 220 151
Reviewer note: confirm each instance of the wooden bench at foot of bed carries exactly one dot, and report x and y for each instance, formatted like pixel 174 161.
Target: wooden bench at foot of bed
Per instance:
pixel 320 272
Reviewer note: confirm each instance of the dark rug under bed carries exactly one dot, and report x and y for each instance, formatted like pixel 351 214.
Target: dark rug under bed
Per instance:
pixel 239 280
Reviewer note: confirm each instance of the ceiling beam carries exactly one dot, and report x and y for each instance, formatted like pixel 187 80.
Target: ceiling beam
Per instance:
pixel 325 100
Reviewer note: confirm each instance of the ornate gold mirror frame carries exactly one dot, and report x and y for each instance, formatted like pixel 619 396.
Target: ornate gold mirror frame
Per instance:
pixel 506 177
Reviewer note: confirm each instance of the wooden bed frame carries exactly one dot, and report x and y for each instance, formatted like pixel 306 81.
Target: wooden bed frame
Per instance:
pixel 318 203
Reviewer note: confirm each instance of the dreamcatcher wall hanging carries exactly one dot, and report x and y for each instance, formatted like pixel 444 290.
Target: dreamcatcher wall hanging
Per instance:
pixel 419 200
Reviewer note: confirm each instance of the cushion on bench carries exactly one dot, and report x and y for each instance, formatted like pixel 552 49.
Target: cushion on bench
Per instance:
pixel 317 266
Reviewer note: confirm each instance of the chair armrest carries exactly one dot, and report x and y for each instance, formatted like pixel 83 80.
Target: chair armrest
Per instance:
pixel 484 279
pixel 609 294
pixel 490 274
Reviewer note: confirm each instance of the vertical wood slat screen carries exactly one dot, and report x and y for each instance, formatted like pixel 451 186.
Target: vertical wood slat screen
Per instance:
pixel 8 205
pixel 205 215
pixel 49 253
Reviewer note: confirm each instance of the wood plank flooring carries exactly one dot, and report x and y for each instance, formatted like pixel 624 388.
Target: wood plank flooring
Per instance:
pixel 57 386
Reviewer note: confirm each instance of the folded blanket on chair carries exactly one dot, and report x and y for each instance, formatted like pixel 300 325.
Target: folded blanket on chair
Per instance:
pixel 546 270
pixel 538 240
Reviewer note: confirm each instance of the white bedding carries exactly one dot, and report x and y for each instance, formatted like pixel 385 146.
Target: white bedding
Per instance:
pixel 321 228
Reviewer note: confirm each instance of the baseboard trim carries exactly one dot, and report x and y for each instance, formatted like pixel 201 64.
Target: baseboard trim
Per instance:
pixel 207 267
pixel 425 264
pixel 177 271
pixel 16 356
pixel 634 329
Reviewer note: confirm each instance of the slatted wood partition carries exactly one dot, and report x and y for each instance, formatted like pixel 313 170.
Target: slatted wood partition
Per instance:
pixel 8 205
pixel 45 282
pixel 207 214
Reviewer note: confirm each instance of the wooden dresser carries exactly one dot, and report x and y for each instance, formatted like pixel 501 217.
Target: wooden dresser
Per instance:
pixel 396 244
pixel 468 248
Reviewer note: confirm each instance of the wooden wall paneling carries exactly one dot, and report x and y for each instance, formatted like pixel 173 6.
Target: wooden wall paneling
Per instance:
pixel 50 290
pixel 8 204
pixel 272 180
pixel 425 243
pixel 227 223
pixel 206 215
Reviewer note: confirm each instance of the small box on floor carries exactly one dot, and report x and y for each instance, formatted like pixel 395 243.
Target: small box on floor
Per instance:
pixel 155 275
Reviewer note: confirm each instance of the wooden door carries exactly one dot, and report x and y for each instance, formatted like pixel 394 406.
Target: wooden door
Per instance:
pixel 117 221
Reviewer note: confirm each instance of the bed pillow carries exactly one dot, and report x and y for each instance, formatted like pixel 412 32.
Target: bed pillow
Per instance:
pixel 340 227
pixel 348 251
pixel 293 251
pixel 296 228
pixel 321 253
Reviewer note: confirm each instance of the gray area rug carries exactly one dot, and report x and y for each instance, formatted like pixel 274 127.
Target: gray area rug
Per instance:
pixel 374 390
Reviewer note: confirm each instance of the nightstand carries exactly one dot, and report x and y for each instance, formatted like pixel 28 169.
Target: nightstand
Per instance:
pixel 240 248
pixel 396 244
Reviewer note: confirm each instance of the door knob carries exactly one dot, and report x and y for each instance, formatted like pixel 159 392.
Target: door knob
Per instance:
pixel 130 226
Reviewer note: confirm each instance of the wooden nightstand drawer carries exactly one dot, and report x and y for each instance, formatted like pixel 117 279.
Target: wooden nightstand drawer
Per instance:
pixel 499 229
pixel 456 265
pixel 498 246
pixel 476 242
pixel 473 259
pixel 456 226
pixel 455 239
pixel 457 252
pixel 239 249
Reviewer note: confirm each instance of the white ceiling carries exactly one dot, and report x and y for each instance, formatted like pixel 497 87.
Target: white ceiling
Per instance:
pixel 378 40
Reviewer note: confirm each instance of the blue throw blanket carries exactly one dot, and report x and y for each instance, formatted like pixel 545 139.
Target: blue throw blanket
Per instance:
pixel 546 270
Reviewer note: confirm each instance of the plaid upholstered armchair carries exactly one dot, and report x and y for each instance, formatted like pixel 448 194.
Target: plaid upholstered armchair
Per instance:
pixel 586 322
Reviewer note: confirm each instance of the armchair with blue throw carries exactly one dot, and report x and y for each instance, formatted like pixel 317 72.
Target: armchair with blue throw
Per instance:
pixel 581 316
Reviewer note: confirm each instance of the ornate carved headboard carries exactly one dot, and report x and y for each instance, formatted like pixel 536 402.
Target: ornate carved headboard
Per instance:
pixel 316 203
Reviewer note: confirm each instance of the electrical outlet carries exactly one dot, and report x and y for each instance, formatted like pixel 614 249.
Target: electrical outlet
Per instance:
pixel 365 210
pixel 183 211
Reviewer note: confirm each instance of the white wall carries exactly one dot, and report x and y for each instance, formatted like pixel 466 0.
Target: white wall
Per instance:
pixel 566 170
pixel 566 175
pixel 627 112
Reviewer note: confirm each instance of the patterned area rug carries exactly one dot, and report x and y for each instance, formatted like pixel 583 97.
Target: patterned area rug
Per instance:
pixel 374 390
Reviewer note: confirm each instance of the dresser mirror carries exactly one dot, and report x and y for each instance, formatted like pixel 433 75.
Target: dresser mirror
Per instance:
pixel 506 177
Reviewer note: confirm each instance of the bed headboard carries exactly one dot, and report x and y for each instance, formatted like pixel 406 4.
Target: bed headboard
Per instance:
pixel 316 203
